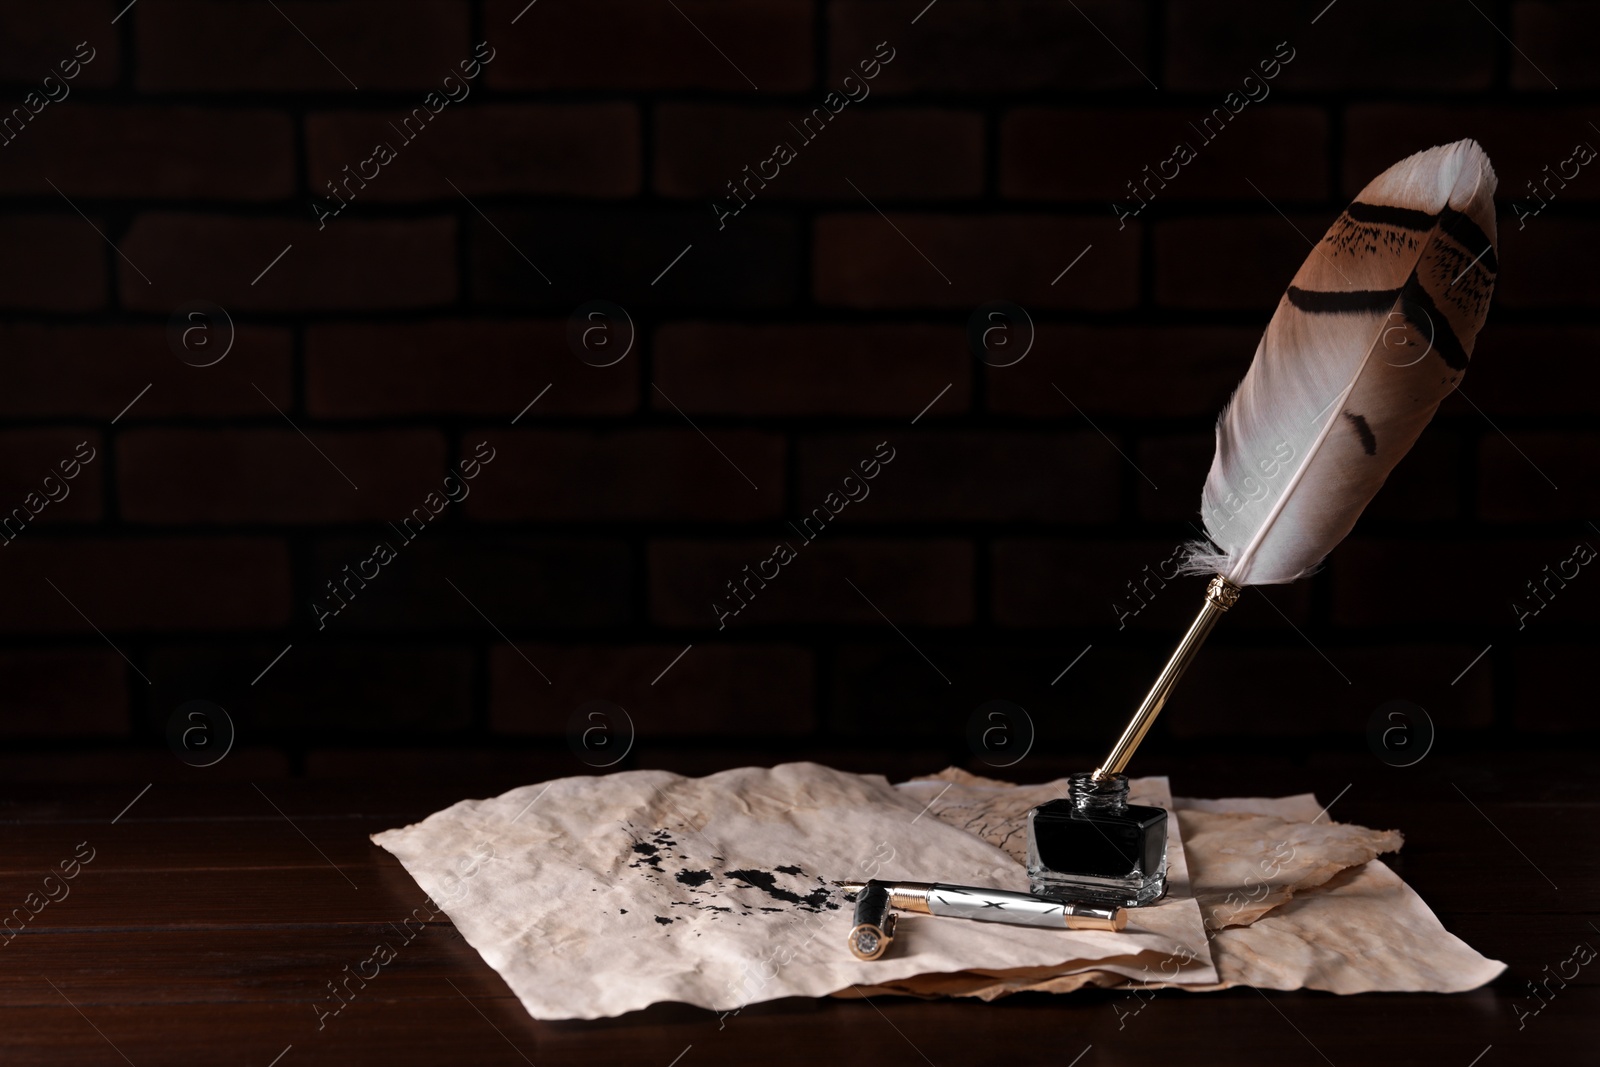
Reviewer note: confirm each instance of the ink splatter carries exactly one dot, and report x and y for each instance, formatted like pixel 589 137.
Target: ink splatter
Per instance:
pixel 651 854
pixel 650 851
pixel 623 910
pixel 710 885
pixel 767 882
pixel 699 906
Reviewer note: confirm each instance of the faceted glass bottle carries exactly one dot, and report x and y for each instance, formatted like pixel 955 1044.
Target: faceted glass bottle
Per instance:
pixel 1096 847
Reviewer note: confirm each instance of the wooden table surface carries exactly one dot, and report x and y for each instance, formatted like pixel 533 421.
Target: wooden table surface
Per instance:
pixel 212 916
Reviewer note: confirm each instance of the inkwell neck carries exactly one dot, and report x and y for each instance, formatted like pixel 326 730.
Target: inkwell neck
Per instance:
pixel 1107 795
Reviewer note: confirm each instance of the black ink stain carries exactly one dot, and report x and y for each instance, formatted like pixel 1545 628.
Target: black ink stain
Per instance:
pixel 790 870
pixel 698 906
pixel 663 920
pixel 765 881
pixel 694 878
pixel 649 856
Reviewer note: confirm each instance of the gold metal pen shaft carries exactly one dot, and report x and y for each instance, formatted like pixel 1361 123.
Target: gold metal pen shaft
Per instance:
pixel 1220 596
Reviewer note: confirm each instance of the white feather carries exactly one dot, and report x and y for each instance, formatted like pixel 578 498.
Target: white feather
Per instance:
pixel 1374 332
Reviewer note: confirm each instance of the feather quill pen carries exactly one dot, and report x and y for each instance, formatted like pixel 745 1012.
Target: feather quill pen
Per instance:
pixel 1374 332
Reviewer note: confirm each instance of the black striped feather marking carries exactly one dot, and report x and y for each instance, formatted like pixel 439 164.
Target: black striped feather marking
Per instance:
pixel 1364 227
pixel 1354 301
pixel 1369 442
pixel 1405 218
pixel 1414 300
pixel 1414 303
pixel 1470 235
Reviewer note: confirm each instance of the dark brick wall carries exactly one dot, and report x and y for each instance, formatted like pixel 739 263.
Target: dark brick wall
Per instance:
pixel 374 347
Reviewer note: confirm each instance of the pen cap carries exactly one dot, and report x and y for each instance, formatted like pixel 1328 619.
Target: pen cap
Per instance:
pixel 874 922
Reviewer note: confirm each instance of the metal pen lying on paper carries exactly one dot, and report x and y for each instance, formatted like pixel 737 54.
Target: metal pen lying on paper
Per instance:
pixel 875 920
pixel 985 905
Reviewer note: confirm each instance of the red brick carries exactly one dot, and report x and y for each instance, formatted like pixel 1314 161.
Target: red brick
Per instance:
pixel 1393 582
pixel 1551 41
pixel 29 457
pixel 993 476
pixel 1546 679
pixel 812 369
pixel 632 474
pixel 920 154
pixel 276 476
pixel 1261 254
pixel 481 584
pixel 139 768
pixel 892 760
pixel 52 263
pixel 1176 467
pixel 914 583
pixel 1518 476
pixel 488 772
pixel 459 366
pixel 1322 701
pixel 862 262
pixel 99 370
pixel 583 150
pixel 1055 583
pixel 362 690
pixel 377 44
pixel 1521 141
pixel 36 45
pixel 350 264
pixel 1042 154
pixel 1214 44
pixel 188 153
pixel 714 691
pixel 1552 591
pixel 1427 484
pixel 1536 263
pixel 1500 383
pixel 221 583
pixel 991 46
pixel 888 692
pixel 61 692
pixel 1137 372
pixel 638 257
pixel 616 45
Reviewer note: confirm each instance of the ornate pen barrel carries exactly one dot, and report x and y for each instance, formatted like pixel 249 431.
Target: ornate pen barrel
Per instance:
pixel 1020 909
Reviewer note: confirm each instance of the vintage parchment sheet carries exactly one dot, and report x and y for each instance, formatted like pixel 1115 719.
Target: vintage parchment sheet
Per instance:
pixel 595 896
pixel 1291 900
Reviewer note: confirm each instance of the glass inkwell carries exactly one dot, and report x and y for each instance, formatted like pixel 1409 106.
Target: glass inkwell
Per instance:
pixel 1093 845
pixel 1096 847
